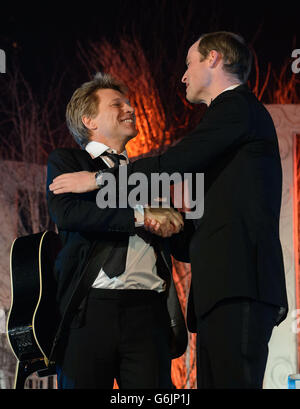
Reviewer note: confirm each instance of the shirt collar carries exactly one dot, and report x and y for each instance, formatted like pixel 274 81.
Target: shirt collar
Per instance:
pixel 96 149
pixel 231 87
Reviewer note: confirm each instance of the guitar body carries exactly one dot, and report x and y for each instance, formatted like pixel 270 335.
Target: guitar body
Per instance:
pixel 33 318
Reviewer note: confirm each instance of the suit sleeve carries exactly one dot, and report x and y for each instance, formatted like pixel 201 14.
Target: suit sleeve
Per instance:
pixel 77 212
pixel 225 125
pixel 179 243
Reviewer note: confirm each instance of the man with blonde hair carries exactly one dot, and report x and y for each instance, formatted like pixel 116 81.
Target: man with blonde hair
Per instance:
pixel 121 317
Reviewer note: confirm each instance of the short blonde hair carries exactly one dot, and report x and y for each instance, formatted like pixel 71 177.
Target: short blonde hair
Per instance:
pixel 85 102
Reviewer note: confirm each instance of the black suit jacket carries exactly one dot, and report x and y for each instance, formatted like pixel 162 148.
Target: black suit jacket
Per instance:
pixel 88 234
pixel 236 248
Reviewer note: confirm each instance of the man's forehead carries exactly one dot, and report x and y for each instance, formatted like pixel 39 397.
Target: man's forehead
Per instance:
pixel 108 94
pixel 193 48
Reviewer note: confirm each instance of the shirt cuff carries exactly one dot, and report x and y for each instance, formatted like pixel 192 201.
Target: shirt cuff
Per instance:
pixel 138 215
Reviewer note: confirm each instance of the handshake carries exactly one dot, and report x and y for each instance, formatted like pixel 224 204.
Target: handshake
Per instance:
pixel 161 221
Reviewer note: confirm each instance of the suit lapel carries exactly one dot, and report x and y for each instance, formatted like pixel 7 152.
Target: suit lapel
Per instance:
pixel 109 251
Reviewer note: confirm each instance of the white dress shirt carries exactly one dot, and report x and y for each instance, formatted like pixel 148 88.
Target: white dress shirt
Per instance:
pixel 140 271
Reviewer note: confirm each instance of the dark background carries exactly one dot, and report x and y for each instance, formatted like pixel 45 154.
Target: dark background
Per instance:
pixel 44 36
pixel 41 42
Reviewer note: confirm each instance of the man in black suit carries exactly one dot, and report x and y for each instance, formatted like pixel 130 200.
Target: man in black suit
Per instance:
pixel 120 314
pixel 238 291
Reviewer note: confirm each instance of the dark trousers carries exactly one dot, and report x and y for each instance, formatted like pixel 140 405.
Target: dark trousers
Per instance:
pixel 125 336
pixel 232 344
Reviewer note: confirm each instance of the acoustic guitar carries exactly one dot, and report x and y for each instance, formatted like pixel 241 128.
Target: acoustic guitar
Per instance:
pixel 33 316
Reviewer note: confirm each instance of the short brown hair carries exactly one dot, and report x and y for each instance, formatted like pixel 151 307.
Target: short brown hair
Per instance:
pixel 237 57
pixel 85 102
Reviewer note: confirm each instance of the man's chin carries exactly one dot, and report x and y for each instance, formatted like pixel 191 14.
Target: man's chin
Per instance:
pixel 193 99
pixel 190 97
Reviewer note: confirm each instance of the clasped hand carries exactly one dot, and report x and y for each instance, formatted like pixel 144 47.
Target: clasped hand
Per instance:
pixel 163 221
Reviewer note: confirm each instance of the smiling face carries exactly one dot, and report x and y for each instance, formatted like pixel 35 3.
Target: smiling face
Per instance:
pixel 114 125
pixel 197 76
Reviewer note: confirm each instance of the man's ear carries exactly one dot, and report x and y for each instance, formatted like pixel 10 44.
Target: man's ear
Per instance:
pixel 214 58
pixel 89 123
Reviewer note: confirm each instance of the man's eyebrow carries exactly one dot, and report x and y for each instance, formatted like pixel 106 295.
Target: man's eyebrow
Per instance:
pixel 118 99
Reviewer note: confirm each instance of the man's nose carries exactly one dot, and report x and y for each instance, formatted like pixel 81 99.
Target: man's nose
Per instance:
pixel 129 108
pixel 183 79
